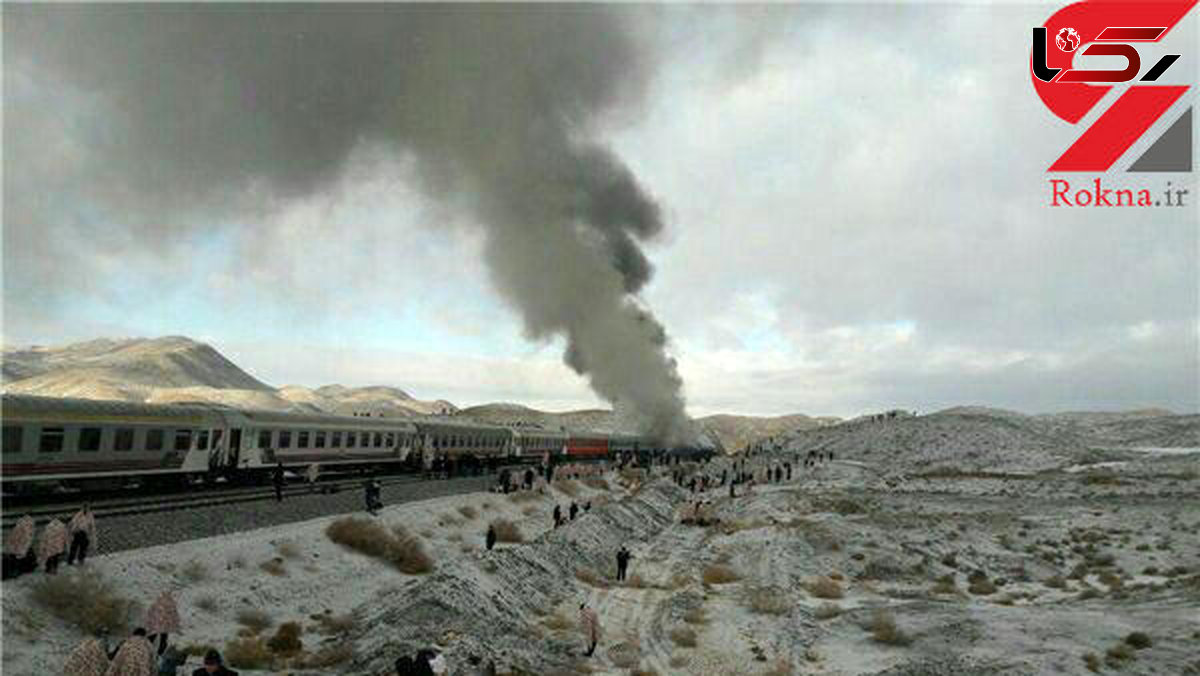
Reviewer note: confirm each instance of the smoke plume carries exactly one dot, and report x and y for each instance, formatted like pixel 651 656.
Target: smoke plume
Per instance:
pixel 499 107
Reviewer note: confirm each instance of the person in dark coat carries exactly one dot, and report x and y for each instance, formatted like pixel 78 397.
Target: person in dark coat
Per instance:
pixel 574 510
pixel 557 516
pixel 623 557
pixel 213 666
pixel 277 480
pixel 528 479
pixel 491 537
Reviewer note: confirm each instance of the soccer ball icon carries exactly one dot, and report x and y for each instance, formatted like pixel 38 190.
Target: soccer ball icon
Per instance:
pixel 1067 40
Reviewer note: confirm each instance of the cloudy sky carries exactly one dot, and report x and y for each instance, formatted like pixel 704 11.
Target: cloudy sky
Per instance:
pixel 854 204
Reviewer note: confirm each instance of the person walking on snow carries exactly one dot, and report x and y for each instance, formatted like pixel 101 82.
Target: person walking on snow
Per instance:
pixel 135 657
pixel 491 537
pixel 590 624
pixel 162 618
pixel 19 556
pixel 87 659
pixel 51 545
pixel 277 480
pixel 82 531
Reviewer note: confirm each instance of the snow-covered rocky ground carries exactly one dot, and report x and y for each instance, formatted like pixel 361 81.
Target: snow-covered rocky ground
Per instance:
pixel 1022 571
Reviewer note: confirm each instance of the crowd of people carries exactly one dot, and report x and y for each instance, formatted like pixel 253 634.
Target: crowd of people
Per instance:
pixel 74 539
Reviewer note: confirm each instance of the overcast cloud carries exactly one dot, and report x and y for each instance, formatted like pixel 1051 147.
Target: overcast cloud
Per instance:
pixel 854 198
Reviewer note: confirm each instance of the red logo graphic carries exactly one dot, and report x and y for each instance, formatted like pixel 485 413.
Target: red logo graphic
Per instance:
pixel 1105 28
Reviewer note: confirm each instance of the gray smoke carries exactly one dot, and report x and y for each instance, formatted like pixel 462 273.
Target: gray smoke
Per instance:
pixel 210 107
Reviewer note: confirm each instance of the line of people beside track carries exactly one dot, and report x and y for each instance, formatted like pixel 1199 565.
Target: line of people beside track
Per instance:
pixel 74 539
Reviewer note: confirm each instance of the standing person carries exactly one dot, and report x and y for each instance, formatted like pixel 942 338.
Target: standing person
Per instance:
pixel 19 557
pixel 314 471
pixel 87 659
pixel 590 624
pixel 213 666
pixel 528 479
pixel 51 545
pixel 277 479
pixel 373 494
pixel 135 657
pixel 557 516
pixel 787 468
pixel 574 510
pixel 162 618
pixel 82 532
pixel 491 537
pixel 623 557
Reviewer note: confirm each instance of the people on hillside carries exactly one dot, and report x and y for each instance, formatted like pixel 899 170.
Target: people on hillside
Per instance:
pixel 590 624
pixel 51 545
pixel 135 657
pixel 19 555
pixel 87 659
pixel 82 533
pixel 623 557
pixel 491 537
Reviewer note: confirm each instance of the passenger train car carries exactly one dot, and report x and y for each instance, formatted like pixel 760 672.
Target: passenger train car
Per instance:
pixel 92 444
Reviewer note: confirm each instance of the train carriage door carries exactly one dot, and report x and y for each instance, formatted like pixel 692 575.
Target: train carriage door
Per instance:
pixel 235 446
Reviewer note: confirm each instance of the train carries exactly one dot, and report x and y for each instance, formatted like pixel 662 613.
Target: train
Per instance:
pixel 94 444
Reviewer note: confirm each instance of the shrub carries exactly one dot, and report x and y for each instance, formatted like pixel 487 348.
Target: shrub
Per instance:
pixel 286 640
pixel 884 630
pixel 274 567
pixel 1092 662
pixel 684 637
pixel 825 588
pixel 194 572
pixel 333 625
pixel 695 616
pixel 1117 654
pixel 1139 640
pixel 719 574
pixel 982 587
pixel 248 652
pixel 767 601
pixel 254 619
pixel 558 622
pixel 328 656
pixel 945 585
pixel 395 547
pixel 1055 582
pixel 468 512
pixel 289 550
pixel 827 611
pixel 207 603
pixel 84 600
pixel 507 531
pixel 588 576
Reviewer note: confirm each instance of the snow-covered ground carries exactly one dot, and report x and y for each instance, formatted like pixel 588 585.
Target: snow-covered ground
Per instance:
pixel 981 573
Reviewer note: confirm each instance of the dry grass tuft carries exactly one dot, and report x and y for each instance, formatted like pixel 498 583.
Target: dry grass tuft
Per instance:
pixel 558 622
pixel 194 572
pixel 884 630
pixel 468 512
pixel 695 616
pixel 719 574
pixel 1055 582
pixel 254 619
pixel 507 531
pixel 286 640
pixel 274 567
pixel 395 547
pixel 248 652
pixel 588 576
pixel 84 600
pixel 208 604
pixel 1092 662
pixel 1119 653
pixel 1139 640
pixel 326 657
pixel 827 611
pixel 289 550
pixel 684 637
pixel 825 588
pixel 945 585
pixel 767 601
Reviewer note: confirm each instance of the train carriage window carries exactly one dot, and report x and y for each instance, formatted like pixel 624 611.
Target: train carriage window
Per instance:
pixel 201 441
pixel 264 438
pixel 285 438
pixel 52 440
pixel 123 439
pixel 14 435
pixel 378 439
pixel 391 439
pixel 89 439
pixel 183 440
pixel 336 440
pixel 351 439
pixel 320 439
pixel 302 442
pixel 154 440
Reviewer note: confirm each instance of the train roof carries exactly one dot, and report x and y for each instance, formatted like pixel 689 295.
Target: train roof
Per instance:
pixel 28 405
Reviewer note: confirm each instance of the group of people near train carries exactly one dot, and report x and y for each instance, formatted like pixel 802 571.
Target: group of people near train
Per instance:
pixel 74 539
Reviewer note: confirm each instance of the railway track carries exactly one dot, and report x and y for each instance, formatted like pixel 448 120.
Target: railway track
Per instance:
pixel 168 502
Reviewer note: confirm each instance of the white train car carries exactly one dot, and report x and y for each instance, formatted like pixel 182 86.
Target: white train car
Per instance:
pixel 261 439
pixel 538 443
pixel 91 443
